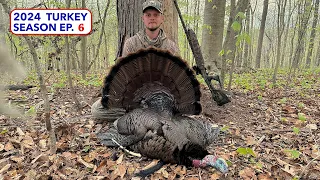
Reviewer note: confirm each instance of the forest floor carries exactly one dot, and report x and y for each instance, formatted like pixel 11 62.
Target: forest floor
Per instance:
pixel 273 133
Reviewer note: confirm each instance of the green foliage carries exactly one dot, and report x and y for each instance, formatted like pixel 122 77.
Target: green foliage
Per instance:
pixel 296 130
pixel 294 154
pixel 4 131
pixel 225 128
pixel 301 105
pixel 236 26
pixel 302 117
pixel 32 111
pixel 283 100
pixel 86 148
pixel 246 152
pixel 241 15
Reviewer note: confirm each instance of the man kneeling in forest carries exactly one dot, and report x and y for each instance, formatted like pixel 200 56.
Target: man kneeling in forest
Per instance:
pixel 152 35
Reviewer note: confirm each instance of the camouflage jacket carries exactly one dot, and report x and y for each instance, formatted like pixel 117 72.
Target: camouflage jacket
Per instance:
pixel 141 40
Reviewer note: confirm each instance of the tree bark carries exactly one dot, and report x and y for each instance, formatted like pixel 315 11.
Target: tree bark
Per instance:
pixel 43 88
pixel 129 13
pixel 280 27
pixel 246 57
pixel 83 50
pixel 73 92
pixel 101 35
pixel 212 34
pixel 261 33
pixel 227 40
pixel 313 34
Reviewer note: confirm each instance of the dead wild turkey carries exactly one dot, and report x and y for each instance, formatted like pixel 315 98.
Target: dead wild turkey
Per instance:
pixel 157 90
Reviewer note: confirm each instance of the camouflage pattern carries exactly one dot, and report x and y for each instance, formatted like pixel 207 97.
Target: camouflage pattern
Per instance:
pixel 141 40
pixel 154 4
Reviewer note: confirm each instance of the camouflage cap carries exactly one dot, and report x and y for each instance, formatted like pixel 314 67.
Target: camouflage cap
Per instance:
pixel 153 4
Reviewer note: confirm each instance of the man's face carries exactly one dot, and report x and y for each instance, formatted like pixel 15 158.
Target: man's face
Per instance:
pixel 152 19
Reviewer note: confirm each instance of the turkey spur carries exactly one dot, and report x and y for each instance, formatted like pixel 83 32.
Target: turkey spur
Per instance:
pixel 158 91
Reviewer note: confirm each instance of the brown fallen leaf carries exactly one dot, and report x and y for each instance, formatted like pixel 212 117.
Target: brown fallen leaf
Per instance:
pixel 289 169
pixel 5 168
pixel 181 170
pixel 264 177
pixel 214 176
pixel 1 147
pixel 27 142
pixel 88 165
pixel 20 132
pixel 43 144
pixel 120 171
pixel 250 141
pixel 102 165
pixel 17 159
pixel 8 147
pixel 120 159
pixel 247 173
pixel 153 163
pixel 69 155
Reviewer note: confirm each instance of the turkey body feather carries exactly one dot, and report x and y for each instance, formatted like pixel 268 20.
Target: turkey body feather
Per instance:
pixel 158 90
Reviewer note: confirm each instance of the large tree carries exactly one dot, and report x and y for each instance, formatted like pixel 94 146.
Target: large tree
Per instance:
pixel 129 20
pixel 261 32
pixel 212 34
pixel 313 33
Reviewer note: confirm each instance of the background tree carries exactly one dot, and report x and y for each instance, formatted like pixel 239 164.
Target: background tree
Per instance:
pixel 212 33
pixel 281 6
pixel 83 50
pixel 313 33
pixel 129 20
pixel 261 32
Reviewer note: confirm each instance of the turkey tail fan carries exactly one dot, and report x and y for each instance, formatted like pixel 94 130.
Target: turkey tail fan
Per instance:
pixel 148 71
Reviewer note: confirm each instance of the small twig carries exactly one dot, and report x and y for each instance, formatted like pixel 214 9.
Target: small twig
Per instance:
pixel 305 168
pixel 126 150
pixel 259 141
pixel 200 178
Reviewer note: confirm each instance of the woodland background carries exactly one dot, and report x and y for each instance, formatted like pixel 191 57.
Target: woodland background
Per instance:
pixel 267 52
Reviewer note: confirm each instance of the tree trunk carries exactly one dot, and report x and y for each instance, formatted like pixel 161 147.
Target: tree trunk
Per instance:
pixel 73 92
pixel 212 34
pixel 242 5
pixel 317 58
pixel 261 33
pixel 280 27
pixel 43 88
pixel 129 13
pixel 286 34
pixel 101 35
pixel 246 57
pixel 227 40
pixel 83 50
pixel 170 25
pixel 303 17
pixel 313 34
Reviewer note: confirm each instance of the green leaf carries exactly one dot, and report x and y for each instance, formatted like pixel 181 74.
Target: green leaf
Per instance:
pixel 236 26
pixel 246 151
pixel 229 163
pixel 225 128
pixel 302 117
pixel 221 53
pixel 296 130
pixel 31 111
pixel 294 153
pixel 283 100
pixel 86 149
pixel 4 131
pixel 241 15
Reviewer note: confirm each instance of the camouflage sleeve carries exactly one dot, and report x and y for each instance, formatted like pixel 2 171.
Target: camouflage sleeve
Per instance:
pixel 173 48
pixel 126 47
